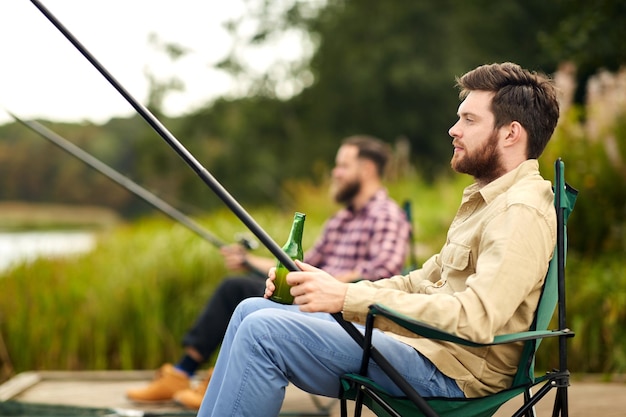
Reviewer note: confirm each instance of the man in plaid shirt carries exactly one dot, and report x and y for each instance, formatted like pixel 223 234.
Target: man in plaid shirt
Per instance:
pixel 367 239
pixel 363 243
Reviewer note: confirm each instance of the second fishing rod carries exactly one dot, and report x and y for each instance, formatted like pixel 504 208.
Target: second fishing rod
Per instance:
pixel 133 187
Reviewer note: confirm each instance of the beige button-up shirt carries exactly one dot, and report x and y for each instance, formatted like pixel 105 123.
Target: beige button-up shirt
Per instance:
pixel 485 281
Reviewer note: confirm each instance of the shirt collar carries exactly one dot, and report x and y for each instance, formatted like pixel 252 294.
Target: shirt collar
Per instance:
pixel 379 195
pixel 498 186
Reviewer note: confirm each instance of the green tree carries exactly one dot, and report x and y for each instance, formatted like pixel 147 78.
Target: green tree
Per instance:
pixel 387 68
pixel 589 34
pixel 591 139
pixel 247 145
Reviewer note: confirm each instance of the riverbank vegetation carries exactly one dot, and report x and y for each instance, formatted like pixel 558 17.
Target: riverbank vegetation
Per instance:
pixel 19 215
pixel 127 304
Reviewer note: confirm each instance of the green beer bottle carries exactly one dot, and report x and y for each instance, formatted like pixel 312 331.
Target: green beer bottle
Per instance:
pixel 293 248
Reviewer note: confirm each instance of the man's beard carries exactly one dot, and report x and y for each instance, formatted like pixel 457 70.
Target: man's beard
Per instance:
pixel 484 165
pixel 346 193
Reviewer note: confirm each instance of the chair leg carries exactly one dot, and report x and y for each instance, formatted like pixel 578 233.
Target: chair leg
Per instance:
pixel 528 394
pixel 561 403
pixel 358 404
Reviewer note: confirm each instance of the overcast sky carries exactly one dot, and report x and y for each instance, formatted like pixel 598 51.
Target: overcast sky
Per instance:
pixel 43 75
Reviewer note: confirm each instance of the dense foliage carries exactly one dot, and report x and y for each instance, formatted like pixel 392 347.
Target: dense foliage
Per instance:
pixel 382 68
pixel 127 304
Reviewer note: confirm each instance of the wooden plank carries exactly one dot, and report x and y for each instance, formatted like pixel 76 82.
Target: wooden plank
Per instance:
pixel 589 396
pixel 18 384
pixel 107 389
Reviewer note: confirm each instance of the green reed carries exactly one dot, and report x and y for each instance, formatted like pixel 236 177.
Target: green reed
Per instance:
pixel 126 304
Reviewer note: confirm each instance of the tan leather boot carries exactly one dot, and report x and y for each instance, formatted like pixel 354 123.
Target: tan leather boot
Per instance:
pixel 192 398
pixel 167 382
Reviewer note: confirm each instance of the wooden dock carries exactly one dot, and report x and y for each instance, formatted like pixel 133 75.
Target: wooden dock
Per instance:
pixel 106 390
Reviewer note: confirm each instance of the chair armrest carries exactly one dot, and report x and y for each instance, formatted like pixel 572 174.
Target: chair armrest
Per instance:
pixel 431 332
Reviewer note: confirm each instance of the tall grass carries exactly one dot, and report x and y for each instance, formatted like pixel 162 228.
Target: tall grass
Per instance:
pixel 127 304
pixel 92 311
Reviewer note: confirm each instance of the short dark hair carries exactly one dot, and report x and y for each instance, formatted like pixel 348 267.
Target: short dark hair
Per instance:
pixel 520 95
pixel 372 149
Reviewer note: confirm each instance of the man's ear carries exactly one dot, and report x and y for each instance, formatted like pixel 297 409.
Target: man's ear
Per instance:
pixel 514 134
pixel 368 168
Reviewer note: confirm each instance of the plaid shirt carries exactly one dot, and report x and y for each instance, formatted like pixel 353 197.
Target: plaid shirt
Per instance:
pixel 372 241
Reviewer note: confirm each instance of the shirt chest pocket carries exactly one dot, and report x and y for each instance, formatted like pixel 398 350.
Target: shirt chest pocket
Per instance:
pixel 456 257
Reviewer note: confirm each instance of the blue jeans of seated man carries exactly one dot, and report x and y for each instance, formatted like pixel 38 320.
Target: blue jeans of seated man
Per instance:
pixel 267 345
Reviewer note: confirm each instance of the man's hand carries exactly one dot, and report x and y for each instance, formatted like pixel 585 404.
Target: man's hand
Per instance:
pixel 315 290
pixel 234 256
pixel 269 283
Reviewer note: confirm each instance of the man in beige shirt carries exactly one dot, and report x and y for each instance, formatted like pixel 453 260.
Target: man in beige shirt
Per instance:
pixel 485 280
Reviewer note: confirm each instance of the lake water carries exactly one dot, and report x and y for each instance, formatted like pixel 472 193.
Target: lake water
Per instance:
pixel 21 247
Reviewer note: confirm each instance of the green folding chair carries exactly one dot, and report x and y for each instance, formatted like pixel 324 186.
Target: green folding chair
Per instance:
pixel 363 391
pixel 411 264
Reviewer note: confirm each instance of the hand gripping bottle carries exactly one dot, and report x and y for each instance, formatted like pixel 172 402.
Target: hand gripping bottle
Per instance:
pixel 293 248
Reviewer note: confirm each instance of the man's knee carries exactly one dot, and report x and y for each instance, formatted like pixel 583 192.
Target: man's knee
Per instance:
pixel 250 305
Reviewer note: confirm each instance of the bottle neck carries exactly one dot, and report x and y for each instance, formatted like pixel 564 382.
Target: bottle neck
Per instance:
pixel 297 228
pixel 293 247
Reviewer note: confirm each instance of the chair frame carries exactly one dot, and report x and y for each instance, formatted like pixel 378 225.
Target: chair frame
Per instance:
pixel 358 387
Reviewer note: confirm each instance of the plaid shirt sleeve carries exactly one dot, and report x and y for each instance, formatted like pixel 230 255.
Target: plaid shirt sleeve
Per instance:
pixel 387 241
pixel 372 242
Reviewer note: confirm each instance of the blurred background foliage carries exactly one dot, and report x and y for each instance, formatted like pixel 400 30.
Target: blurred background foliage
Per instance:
pixel 381 68
pixel 386 69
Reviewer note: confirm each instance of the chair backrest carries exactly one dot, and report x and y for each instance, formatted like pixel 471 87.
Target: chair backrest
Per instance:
pixel 412 258
pixel 554 287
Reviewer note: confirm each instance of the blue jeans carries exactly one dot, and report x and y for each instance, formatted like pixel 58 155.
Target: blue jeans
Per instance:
pixel 267 345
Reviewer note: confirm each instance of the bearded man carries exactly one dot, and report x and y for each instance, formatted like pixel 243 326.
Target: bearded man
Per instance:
pixel 485 281
pixel 367 239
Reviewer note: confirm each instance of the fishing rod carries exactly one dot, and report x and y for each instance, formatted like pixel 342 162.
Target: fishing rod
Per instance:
pixel 131 186
pixel 202 172
pixel 231 203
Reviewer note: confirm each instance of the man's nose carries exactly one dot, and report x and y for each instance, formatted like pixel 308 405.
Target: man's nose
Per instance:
pixel 453 131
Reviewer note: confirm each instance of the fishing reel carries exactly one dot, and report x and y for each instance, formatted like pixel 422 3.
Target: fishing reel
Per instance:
pixel 246 241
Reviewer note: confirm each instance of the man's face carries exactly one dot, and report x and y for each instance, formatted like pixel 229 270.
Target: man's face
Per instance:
pixel 475 140
pixel 346 175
